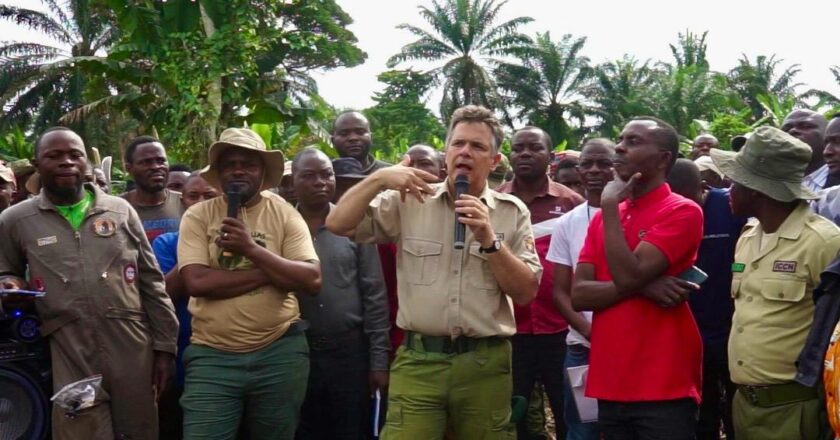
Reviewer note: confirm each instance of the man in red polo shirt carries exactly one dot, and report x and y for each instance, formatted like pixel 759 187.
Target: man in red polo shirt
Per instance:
pixel 646 358
pixel 539 346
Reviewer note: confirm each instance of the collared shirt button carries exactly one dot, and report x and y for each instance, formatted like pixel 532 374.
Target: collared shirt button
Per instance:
pixel 455 271
pixel 749 299
pixel 454 300
pixel 104 275
pixel 740 329
pixel 740 363
pixel 755 265
pixel 781 295
pixel 456 331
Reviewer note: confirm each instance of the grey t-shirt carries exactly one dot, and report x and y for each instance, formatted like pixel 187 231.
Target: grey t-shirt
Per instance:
pixel 162 218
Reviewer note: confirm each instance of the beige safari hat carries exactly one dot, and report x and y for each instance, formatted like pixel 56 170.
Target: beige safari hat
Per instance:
pixel 248 140
pixel 771 162
pixel 7 175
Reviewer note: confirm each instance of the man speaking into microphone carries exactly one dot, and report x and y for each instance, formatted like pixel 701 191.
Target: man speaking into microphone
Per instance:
pixel 240 256
pixel 455 305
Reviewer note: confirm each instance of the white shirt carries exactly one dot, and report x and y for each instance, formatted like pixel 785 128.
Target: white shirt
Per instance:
pixel 828 205
pixel 816 180
pixel 566 243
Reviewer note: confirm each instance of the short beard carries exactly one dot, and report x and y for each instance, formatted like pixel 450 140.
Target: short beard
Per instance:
pixel 68 193
pixel 363 155
pixel 150 188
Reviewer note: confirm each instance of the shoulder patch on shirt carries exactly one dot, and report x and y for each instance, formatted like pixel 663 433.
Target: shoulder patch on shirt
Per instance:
pixel 784 266
pixel 129 273
pixel 45 241
pixel 529 243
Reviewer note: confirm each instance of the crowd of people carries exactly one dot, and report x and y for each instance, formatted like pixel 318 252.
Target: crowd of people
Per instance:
pixel 266 297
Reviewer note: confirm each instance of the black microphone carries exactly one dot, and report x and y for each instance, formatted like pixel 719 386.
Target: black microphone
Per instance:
pixel 462 186
pixel 234 200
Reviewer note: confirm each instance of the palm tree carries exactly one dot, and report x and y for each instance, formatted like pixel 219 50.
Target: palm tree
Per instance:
pixel 825 97
pixel 41 82
pixel 620 90
pixel 751 80
pixel 466 38
pixel 688 90
pixel 545 86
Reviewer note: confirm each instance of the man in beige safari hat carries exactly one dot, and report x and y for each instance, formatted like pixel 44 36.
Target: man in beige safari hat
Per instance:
pixel 248 358
pixel 778 261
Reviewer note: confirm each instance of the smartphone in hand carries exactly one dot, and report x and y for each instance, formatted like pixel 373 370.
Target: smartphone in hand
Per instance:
pixel 693 275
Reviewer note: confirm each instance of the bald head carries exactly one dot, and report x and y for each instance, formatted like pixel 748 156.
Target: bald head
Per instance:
pixel 351 136
pixel 307 153
pixel 426 158
pixel 685 180
pixel 809 127
pixel 703 144
pixel 598 145
pixel 63 132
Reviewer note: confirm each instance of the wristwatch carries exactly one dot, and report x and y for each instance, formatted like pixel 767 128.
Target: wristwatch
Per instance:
pixel 495 247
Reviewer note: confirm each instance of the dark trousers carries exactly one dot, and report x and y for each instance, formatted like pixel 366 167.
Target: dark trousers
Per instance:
pixel 540 357
pixel 657 420
pixel 169 413
pixel 718 391
pixel 337 403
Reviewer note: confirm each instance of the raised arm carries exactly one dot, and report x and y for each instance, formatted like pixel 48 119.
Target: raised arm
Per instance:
pixel 346 216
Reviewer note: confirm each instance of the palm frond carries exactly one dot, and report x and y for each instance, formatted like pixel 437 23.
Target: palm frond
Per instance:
pixel 15 48
pixel 37 21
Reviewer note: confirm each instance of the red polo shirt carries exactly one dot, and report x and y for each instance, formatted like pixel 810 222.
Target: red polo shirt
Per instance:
pixel 641 351
pixel 540 317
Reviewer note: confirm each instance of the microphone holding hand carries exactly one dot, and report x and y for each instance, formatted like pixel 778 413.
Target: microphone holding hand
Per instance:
pixel 462 186
pixel 234 199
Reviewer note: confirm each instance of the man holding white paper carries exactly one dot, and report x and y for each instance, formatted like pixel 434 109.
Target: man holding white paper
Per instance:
pixel 595 168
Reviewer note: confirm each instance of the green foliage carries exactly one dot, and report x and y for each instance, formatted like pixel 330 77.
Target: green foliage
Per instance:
pixel 466 37
pixel 400 119
pixel 751 80
pixel 620 90
pixel 725 127
pixel 14 145
pixel 544 87
pixel 185 70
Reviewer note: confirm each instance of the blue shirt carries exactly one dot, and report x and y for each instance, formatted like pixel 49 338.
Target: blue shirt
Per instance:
pixel 165 248
pixel 712 305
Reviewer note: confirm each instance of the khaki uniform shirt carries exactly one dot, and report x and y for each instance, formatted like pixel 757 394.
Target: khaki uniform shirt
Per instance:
pixel 772 289
pixel 248 322
pixel 443 291
pixel 105 270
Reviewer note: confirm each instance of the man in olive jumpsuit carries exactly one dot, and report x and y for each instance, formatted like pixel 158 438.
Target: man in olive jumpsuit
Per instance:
pixel 105 310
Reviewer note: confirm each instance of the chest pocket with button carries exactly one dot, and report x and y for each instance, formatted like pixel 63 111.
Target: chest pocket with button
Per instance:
pixel 421 260
pixel 785 302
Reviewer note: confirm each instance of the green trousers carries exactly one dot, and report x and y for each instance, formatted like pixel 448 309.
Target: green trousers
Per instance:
pixel 263 389
pixel 470 390
pixel 805 420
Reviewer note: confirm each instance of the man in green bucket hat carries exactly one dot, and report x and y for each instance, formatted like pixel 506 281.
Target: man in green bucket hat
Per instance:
pixel 778 261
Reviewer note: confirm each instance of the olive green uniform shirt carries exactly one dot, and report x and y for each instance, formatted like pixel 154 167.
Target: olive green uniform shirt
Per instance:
pixel 443 291
pixel 772 289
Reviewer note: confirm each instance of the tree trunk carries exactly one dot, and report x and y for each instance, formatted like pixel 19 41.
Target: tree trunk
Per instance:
pixel 214 88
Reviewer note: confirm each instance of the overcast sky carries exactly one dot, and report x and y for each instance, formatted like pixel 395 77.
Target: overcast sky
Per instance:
pixel 801 33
